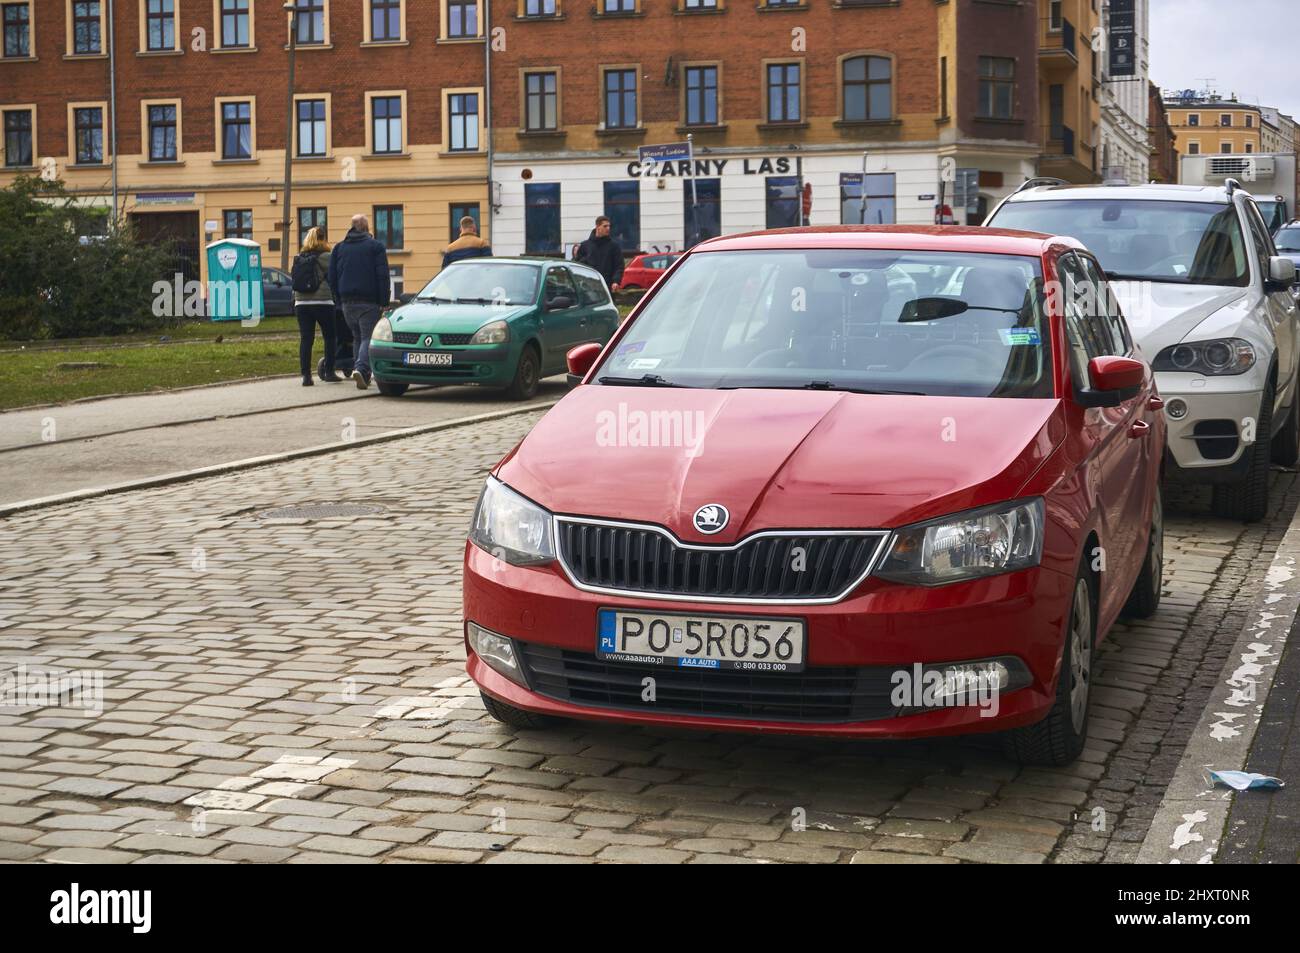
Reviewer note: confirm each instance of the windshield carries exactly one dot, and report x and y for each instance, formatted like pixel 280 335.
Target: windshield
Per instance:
pixel 483 283
pixel 852 319
pixel 1288 239
pixel 1184 242
pixel 1272 212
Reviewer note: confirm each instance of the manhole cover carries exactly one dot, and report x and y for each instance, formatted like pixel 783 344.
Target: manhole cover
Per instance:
pixel 320 511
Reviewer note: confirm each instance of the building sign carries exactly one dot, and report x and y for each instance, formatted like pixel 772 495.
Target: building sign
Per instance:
pixel 665 152
pixel 708 168
pixel 164 198
pixel 1123 38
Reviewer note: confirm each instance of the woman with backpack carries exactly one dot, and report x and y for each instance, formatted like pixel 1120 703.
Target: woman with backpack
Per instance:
pixel 313 304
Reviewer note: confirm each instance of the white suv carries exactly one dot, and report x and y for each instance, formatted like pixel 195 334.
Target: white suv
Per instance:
pixel 1207 297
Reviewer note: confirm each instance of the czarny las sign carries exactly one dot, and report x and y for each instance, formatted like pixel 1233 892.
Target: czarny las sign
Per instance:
pixel 767 165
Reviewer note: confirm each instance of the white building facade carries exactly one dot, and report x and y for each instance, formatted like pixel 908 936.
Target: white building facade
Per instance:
pixel 1123 138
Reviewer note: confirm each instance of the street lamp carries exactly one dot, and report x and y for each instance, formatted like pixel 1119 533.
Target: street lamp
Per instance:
pixel 293 11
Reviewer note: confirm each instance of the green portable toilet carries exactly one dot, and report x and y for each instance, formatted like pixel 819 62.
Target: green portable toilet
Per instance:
pixel 235 280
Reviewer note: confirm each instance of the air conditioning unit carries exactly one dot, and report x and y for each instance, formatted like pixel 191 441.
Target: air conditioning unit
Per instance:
pixel 1244 168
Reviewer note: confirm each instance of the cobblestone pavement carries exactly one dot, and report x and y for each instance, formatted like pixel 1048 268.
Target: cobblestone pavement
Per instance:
pixel 283 690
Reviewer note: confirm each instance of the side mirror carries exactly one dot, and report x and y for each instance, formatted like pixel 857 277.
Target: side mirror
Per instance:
pixel 560 303
pixel 1114 380
pixel 1281 273
pixel 580 360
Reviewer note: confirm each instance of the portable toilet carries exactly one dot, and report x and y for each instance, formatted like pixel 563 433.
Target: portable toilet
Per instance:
pixel 235 280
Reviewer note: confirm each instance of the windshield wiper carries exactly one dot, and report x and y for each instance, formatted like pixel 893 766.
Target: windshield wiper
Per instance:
pixel 826 385
pixel 476 301
pixel 434 298
pixel 645 380
pixel 1167 279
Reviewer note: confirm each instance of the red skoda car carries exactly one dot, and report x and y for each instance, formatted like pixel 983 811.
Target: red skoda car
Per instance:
pixel 873 482
pixel 644 270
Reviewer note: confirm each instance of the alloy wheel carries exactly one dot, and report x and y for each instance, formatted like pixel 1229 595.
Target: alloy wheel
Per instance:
pixel 1080 654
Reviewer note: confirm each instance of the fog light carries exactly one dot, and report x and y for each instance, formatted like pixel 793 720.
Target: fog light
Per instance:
pixel 1176 409
pixel 497 651
pixel 976 683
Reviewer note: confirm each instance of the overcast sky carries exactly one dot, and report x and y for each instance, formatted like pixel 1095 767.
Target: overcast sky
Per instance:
pixel 1245 45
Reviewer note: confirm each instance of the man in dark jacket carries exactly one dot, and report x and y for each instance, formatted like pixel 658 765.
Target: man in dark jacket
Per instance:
pixel 359 278
pixel 603 253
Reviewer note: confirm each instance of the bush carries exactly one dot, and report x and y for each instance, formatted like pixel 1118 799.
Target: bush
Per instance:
pixel 55 283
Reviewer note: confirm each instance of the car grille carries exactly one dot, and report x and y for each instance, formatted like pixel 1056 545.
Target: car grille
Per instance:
pixel 413 337
pixel 817 694
pixel 454 338
pixel 405 337
pixel 646 560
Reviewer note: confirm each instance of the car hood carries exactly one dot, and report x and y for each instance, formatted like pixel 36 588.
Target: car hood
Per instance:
pixel 422 316
pixel 778 458
pixel 1161 314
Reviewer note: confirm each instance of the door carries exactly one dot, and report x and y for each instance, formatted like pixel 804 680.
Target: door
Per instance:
pixel 599 320
pixel 1281 308
pixel 562 316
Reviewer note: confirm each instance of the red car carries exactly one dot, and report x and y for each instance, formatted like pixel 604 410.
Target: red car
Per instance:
pixel 644 270
pixel 857 482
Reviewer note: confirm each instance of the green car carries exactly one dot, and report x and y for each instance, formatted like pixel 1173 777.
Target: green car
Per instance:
pixel 500 322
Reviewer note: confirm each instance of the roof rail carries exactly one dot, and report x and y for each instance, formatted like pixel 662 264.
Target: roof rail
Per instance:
pixel 1038 180
pixel 1232 185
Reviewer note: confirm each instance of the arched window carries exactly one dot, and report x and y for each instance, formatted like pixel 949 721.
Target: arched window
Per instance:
pixel 868 88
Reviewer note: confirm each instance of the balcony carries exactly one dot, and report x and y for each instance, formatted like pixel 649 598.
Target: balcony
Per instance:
pixel 1060 142
pixel 1057 43
pixel 1065 158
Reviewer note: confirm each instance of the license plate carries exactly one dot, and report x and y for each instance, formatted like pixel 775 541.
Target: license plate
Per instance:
pixel 437 359
pixel 688 641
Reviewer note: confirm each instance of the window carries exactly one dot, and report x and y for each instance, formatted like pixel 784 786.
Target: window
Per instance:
pixel 620 99
pixel 238 222
pixel 783 92
pixel 160 25
pixel 162 132
pixel 618 6
pixel 943 87
pixel 18 29
pixel 235 23
pixel 396 282
pixel 462 18
pixel 1250 147
pixel 783 201
pixel 701 4
pixel 88 130
pixel 385 21
pixel 237 130
pixel 1250 121
pixel 591 289
pixel 457 211
pixel 784 3
pixel 309 218
pixel 997 87
pixel 878 207
pixel 385 125
pixel 701 96
pixel 463 118
pixel 1056 112
pixel 623 209
pixel 868 88
pixel 311 22
pixel 311 128
pixel 1225 119
pixel 542 218
pixel 541 98
pixel 1193 148
pixel 1225 148
pixel 388 226
pixel 1054 14
pixel 1193 119
pixel 87 36
pixel 539 8
pixel 18 138
pixel 702 209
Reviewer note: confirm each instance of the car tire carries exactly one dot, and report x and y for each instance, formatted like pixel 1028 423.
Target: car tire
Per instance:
pixel 1247 499
pixel 1145 597
pixel 515 717
pixel 527 377
pixel 1286 445
pixel 392 388
pixel 1058 739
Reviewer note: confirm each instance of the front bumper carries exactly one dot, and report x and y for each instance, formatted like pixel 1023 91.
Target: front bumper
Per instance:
pixel 1206 445
pixel 881 626
pixel 490 364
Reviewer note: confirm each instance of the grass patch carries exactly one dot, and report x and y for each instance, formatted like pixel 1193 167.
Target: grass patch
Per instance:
pixel 195 330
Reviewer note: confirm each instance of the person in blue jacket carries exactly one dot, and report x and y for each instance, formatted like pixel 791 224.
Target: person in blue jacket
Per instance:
pixel 359 278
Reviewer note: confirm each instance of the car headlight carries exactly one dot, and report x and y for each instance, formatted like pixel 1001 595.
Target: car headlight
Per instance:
pixel 383 330
pixel 497 332
pixel 982 542
pixel 510 527
pixel 1218 357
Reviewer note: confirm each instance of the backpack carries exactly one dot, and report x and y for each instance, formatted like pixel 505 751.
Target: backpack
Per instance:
pixel 306 273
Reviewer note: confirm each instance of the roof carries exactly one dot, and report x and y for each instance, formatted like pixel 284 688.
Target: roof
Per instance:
pixel 1146 193
pixel 971 238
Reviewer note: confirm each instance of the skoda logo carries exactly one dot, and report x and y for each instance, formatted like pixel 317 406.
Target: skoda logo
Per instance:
pixel 428 340
pixel 711 518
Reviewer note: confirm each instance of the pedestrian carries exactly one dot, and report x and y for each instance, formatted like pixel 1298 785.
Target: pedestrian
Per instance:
pixel 601 252
pixel 358 276
pixel 468 245
pixel 313 304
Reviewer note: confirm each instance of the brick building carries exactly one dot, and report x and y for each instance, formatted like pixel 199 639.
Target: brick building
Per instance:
pixel 1164 151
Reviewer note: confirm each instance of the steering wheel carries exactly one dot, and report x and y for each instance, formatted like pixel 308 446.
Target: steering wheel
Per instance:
pixel 963 351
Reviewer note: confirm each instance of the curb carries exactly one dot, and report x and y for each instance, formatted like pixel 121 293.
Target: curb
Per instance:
pixel 185 476
pixel 1188 825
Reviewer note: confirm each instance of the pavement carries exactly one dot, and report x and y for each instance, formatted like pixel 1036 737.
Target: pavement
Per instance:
pixel 286 688
pixel 90 444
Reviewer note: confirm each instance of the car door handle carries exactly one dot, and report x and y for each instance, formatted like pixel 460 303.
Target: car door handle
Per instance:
pixel 1140 428
pixel 1155 403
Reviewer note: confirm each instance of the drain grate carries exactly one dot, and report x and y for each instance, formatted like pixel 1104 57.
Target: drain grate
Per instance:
pixel 321 511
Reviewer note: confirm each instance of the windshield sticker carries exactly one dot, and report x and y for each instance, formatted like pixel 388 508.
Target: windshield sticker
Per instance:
pixel 631 348
pixel 643 364
pixel 1014 336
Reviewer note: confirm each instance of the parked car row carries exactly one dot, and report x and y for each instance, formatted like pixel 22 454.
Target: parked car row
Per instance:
pixel 877 482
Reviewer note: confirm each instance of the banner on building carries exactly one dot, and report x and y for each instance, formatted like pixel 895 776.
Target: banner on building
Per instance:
pixel 1122 38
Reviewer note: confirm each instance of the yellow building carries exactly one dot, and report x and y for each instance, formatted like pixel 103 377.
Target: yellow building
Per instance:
pixel 1210 124
pixel 1069 81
